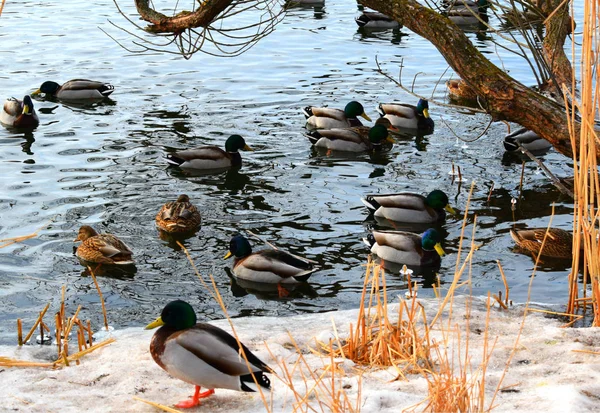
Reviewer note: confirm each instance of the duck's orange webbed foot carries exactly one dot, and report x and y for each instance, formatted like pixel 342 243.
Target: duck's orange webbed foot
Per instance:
pixel 282 292
pixel 195 400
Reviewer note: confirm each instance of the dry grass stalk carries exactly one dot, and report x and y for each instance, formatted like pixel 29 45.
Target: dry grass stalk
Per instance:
pixel 318 389
pixel 63 359
pixel 506 289
pixel 586 219
pixel 375 341
pixel 39 319
pixel 2 6
pixel 8 362
pixel 158 406
pixel 101 298
pixel 9 241
pixel 20 331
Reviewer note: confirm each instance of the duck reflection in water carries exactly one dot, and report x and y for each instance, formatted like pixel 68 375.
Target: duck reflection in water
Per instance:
pixel 110 271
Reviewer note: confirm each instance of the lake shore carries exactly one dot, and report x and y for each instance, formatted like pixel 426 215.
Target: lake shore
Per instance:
pixel 547 373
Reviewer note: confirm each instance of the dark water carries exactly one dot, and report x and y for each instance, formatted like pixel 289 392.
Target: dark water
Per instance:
pixel 102 165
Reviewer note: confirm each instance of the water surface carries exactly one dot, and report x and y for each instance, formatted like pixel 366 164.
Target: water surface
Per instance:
pixel 103 166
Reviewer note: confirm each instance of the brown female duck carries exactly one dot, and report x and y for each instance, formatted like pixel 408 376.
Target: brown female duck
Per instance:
pixel 102 248
pixel 178 216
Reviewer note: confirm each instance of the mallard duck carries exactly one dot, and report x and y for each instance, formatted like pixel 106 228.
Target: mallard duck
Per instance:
pixel 409 207
pixel 329 118
pixel 203 355
pixel 458 89
pixel 405 116
pixel 350 140
pixel 312 3
pixel 102 248
pixel 76 89
pixel 376 20
pixel 19 113
pixel 268 266
pixel 178 216
pixel 527 139
pixel 211 157
pixel 559 243
pixel 406 248
pixel 467 12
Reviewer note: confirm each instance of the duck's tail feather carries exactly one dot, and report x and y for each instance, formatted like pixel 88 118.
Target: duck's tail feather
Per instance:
pixel 307 111
pixel 173 160
pixel 106 89
pixel 313 137
pixel 362 20
pixel 370 203
pixel 247 382
pixel 305 275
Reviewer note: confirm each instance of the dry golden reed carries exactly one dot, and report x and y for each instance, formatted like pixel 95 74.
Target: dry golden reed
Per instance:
pixel 586 221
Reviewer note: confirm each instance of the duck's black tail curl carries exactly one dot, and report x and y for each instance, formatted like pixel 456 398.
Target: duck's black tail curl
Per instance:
pixel 247 382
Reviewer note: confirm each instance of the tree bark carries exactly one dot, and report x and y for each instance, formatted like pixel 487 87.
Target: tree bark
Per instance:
pixel 507 99
pixel 161 23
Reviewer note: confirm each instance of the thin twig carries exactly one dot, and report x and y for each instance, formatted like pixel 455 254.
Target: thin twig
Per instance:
pixel 547 172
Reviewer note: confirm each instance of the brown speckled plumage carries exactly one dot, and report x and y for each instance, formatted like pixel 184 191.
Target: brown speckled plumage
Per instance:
pixel 102 248
pixel 559 243
pixel 178 216
pixel 458 89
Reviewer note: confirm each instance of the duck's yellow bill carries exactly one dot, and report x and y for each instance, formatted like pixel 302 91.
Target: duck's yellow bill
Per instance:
pixel 37 92
pixel 426 113
pixel 26 109
pixel 450 210
pixel 364 115
pixel 229 254
pixel 390 140
pixel 247 148
pixel 438 249
pixel 156 323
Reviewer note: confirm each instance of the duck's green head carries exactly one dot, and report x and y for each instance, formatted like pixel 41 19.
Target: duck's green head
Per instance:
pixel 438 199
pixel 378 134
pixel 48 88
pixel 236 143
pixel 430 240
pixel 178 315
pixel 482 6
pixel 355 109
pixel 423 108
pixel 239 247
pixel 27 105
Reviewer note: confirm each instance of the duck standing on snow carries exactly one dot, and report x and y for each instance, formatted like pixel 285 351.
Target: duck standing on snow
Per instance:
pixel 178 216
pixel 559 243
pixel 406 248
pixel 358 139
pixel 76 89
pixel 330 118
pixel 409 207
pixel 19 113
pixel 211 157
pixel 376 20
pixel 102 248
pixel 405 116
pixel 203 355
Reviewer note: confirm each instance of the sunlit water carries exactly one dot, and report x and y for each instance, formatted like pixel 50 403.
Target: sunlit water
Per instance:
pixel 103 165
